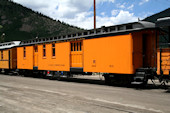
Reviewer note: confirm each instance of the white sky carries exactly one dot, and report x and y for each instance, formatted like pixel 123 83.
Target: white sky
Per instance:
pixel 80 12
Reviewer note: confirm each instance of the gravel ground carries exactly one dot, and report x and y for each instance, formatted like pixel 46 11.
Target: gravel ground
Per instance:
pixel 79 95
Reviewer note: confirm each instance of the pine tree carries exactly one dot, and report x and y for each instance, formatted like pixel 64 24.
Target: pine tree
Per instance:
pixel 1 27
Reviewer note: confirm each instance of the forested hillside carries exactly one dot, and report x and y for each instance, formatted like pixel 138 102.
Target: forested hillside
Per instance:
pixel 162 14
pixel 20 23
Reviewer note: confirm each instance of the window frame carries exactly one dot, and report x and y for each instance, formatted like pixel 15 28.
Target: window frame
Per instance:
pixel 2 55
pixel 53 50
pixel 35 48
pixel 76 46
pixel 44 51
pixel 24 52
pixel 72 46
pixel 80 49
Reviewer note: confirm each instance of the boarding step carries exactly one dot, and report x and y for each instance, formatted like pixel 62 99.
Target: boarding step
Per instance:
pixel 139 78
pixel 136 83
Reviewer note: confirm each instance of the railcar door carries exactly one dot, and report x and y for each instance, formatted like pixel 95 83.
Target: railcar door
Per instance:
pixel 149 47
pixel 145 46
pixel 76 54
pixel 35 57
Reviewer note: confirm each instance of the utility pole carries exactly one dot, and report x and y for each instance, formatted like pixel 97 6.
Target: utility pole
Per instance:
pixel 94 14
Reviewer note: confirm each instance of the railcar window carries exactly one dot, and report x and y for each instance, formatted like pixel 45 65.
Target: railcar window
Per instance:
pixel 80 46
pixel 36 48
pixel 24 52
pixel 71 46
pixel 53 49
pixel 74 46
pixel 1 55
pixel 53 45
pixel 129 27
pixel 44 50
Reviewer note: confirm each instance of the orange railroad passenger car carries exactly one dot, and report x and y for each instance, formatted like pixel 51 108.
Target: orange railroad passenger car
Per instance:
pixel 8 56
pixel 127 53
pixel 116 51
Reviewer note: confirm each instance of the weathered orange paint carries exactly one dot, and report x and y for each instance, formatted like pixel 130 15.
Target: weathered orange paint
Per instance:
pixel 25 62
pixel 121 54
pixel 61 62
pixel 77 55
pixel 4 63
pixel 165 61
pixel 76 59
pixel 109 54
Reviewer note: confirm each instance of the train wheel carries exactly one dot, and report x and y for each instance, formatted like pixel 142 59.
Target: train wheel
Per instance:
pixel 6 72
pixel 107 80
pixel 58 76
pixel 51 77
